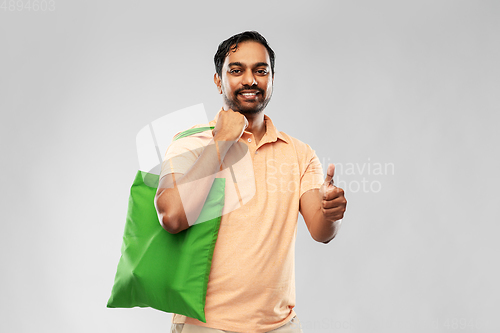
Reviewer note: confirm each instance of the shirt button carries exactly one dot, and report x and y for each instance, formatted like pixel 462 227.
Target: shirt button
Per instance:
pixel 249 140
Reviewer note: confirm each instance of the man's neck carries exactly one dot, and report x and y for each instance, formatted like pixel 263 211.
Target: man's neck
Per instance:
pixel 256 125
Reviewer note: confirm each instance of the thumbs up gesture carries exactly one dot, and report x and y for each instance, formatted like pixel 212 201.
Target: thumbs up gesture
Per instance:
pixel 333 203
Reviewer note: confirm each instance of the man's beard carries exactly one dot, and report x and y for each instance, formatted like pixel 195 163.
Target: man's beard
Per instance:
pixel 235 105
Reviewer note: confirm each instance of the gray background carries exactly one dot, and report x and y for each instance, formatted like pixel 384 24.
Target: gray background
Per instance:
pixel 412 84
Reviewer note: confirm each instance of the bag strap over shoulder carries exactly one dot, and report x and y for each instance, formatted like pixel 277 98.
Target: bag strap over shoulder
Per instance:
pixel 192 131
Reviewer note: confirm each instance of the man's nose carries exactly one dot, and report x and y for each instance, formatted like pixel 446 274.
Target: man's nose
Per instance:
pixel 248 78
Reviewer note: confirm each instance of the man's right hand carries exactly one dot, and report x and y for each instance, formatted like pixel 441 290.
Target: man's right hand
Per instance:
pixel 230 126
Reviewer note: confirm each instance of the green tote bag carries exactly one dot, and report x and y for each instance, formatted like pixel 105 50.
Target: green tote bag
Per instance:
pixel 167 272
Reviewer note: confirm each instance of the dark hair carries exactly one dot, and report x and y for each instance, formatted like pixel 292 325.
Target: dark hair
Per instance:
pixel 231 44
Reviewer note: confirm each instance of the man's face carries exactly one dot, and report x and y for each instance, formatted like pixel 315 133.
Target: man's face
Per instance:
pixel 247 82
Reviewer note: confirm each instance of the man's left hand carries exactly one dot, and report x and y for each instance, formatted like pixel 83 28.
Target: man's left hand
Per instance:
pixel 333 202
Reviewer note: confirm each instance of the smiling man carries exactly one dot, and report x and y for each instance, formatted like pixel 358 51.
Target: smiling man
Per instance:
pixel 251 286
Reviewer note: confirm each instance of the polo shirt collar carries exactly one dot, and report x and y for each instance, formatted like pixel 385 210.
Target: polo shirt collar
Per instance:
pixel 271 132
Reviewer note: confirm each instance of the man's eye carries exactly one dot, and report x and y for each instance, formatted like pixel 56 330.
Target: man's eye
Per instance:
pixel 234 71
pixel 262 71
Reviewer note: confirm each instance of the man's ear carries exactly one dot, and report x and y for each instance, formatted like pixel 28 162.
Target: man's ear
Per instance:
pixel 217 82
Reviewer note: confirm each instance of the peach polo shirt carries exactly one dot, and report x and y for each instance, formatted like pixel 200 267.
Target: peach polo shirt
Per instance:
pixel 251 287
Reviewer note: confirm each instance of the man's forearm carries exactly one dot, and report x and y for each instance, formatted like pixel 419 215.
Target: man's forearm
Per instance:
pixel 324 230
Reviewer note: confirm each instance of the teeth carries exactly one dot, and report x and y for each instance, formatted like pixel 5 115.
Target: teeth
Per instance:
pixel 248 94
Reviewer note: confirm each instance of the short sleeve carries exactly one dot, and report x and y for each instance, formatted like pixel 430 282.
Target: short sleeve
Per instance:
pixel 313 173
pixel 181 155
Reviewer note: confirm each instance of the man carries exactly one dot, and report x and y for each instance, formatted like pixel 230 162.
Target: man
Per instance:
pixel 251 287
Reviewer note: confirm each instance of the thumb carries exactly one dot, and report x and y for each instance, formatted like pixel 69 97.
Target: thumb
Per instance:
pixel 329 173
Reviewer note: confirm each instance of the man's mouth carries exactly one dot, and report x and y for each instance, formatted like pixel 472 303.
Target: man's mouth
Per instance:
pixel 248 94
